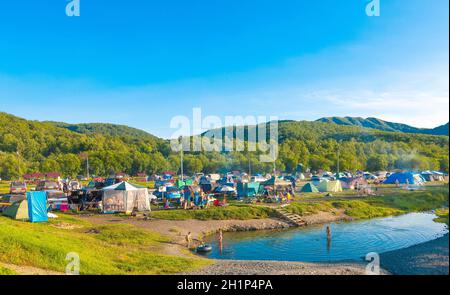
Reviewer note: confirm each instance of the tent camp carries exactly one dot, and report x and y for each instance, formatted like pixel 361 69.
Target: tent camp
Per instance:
pixel 309 188
pixel 249 189
pixel 125 197
pixel 404 178
pixel 330 186
pixel 18 210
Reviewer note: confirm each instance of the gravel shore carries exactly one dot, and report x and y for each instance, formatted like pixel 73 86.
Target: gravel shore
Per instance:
pixel 430 258
pixel 250 267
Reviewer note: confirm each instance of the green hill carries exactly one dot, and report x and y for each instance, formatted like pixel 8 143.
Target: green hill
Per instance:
pixel 384 125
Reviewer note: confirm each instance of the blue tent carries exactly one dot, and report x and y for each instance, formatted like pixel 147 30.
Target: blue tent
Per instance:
pixel 37 206
pixel 404 178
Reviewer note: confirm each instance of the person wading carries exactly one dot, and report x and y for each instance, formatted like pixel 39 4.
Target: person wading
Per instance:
pixel 220 238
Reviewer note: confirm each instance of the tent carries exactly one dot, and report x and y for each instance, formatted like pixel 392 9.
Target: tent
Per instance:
pixel 249 189
pixel 404 178
pixel 37 206
pixel 125 197
pixel 18 210
pixel 309 188
pixel 433 175
pixel 274 181
pixel 330 186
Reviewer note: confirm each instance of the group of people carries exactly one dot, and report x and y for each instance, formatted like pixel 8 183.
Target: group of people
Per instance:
pixel 280 196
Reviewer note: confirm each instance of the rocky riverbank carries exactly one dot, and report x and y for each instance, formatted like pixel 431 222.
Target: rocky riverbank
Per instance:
pixel 248 267
pixel 430 258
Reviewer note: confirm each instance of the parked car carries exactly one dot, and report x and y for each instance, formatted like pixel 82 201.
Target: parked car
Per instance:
pixel 18 187
pixel 47 185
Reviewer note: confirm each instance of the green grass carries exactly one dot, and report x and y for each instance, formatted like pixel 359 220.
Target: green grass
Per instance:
pixel 442 215
pixel 308 208
pixel 111 249
pixel 239 212
pixel 6 271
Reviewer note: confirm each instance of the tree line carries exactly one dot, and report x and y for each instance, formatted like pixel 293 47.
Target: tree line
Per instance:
pixel 30 146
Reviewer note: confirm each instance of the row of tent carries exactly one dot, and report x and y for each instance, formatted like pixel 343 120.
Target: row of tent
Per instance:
pixel 119 198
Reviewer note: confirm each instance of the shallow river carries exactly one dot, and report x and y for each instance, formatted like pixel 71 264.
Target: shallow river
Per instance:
pixel 350 240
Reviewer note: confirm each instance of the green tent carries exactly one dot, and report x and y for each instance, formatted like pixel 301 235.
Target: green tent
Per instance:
pixel 18 210
pixel 309 188
pixel 330 186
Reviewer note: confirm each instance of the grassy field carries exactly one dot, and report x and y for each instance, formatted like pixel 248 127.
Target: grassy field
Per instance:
pixel 111 249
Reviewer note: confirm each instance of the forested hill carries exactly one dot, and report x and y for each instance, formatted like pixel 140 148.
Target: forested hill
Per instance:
pixel 106 129
pixel 31 146
pixel 384 125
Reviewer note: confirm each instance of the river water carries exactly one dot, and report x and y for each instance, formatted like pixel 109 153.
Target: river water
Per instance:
pixel 349 240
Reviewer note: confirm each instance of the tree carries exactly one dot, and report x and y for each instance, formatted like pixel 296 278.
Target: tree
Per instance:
pixel 377 163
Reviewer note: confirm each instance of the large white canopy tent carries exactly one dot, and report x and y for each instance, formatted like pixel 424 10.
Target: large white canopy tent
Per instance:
pixel 125 197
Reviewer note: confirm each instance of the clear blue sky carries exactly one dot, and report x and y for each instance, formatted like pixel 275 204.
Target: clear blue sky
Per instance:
pixel 140 62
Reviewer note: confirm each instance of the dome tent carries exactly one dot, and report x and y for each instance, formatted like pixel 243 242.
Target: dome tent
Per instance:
pixel 330 186
pixel 309 188
pixel 18 210
pixel 404 178
pixel 125 197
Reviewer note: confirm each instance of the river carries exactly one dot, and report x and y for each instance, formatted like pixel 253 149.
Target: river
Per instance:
pixel 349 240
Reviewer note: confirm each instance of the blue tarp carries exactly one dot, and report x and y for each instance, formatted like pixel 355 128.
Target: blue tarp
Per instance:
pixel 404 178
pixel 37 206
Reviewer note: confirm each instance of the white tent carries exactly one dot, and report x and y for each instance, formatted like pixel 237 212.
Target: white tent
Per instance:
pixel 125 198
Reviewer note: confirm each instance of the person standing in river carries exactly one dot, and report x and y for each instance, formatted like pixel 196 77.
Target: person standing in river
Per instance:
pixel 328 238
pixel 220 238
pixel 328 233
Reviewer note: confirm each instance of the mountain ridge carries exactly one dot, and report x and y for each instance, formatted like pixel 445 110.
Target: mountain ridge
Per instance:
pixel 382 125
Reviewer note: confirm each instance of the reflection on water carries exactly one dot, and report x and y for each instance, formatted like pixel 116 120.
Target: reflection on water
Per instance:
pixel 349 241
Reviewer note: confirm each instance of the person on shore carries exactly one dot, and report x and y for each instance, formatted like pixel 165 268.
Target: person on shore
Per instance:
pixel 189 239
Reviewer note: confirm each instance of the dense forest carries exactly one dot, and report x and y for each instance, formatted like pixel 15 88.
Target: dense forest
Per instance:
pixel 31 146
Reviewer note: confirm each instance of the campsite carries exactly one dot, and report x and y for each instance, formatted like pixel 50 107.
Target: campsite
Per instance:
pixel 145 142
pixel 154 213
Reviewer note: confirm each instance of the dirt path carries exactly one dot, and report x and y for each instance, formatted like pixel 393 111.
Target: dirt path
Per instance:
pixel 29 270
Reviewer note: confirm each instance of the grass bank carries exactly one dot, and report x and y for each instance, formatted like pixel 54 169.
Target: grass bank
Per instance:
pixel 111 249
pixel 392 203
pixel 238 212
pixel 6 271
pixel 442 216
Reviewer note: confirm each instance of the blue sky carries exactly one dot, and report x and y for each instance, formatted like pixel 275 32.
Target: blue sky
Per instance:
pixel 141 63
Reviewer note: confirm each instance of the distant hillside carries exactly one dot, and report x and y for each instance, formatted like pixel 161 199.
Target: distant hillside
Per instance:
pixel 105 129
pixel 379 124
